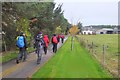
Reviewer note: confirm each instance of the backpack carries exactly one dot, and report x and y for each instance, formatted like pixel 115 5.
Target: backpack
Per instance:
pixel 55 40
pixel 37 38
pixel 62 36
pixel 20 42
pixel 39 43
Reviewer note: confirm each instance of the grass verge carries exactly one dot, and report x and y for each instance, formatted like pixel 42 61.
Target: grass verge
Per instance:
pixel 72 64
pixel 12 55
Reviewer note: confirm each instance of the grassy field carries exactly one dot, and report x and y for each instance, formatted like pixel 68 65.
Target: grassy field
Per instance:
pixel 77 63
pixel 110 40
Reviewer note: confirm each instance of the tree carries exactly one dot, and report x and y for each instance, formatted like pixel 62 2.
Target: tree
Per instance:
pixel 16 17
pixel 58 30
pixel 74 30
pixel 80 26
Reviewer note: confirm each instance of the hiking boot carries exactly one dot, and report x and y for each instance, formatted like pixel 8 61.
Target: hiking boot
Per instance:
pixel 24 60
pixel 17 61
pixel 45 53
pixel 38 62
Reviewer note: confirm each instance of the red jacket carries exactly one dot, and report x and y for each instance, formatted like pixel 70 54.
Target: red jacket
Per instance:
pixel 46 40
pixel 62 36
pixel 59 36
pixel 54 39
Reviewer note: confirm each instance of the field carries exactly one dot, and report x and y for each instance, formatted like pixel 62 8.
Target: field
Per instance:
pixel 111 50
pixel 77 63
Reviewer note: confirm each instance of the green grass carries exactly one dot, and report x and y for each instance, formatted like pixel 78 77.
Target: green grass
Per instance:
pixel 72 64
pixel 111 40
pixel 12 55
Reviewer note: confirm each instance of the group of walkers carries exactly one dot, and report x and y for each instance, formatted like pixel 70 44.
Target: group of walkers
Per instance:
pixel 41 44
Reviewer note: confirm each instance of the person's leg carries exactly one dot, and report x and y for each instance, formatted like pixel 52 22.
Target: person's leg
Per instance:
pixel 25 55
pixel 55 48
pixel 19 56
pixel 58 40
pixel 45 50
pixel 39 54
pixel 62 40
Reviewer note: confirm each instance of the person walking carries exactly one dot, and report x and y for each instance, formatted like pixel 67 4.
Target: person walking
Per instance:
pixel 22 45
pixel 58 38
pixel 38 45
pixel 46 43
pixel 54 42
pixel 62 37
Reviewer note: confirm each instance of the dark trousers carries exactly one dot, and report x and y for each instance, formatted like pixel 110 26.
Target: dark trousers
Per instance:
pixel 62 40
pixel 39 55
pixel 58 39
pixel 22 54
pixel 54 47
pixel 45 50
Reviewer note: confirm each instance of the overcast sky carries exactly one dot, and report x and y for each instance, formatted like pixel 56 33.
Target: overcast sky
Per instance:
pixel 90 12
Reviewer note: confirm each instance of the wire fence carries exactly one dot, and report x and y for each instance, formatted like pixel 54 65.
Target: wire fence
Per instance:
pixel 101 53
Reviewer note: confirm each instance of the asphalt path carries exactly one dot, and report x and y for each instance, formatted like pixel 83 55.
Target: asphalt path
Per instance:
pixel 28 68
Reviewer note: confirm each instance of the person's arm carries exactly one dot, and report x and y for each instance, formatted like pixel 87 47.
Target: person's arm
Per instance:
pixel 48 41
pixel 25 41
pixel 16 40
pixel 52 40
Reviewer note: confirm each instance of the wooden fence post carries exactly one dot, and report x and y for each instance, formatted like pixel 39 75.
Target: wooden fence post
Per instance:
pixel 92 47
pixel 103 55
pixel 119 65
pixel 86 44
pixel 72 43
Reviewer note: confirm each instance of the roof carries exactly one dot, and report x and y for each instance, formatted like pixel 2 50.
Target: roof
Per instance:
pixel 105 29
pixel 87 31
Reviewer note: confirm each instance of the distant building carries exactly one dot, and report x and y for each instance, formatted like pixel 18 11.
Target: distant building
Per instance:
pixel 100 30
pixel 105 31
pixel 87 32
pixel 116 30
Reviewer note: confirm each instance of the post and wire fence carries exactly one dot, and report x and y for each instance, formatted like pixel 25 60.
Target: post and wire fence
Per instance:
pixel 100 52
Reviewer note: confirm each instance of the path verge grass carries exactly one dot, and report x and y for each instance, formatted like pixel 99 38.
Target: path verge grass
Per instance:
pixel 72 64
pixel 111 51
pixel 10 55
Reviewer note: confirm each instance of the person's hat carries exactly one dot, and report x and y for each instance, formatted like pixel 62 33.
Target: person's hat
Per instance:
pixel 21 33
pixel 40 32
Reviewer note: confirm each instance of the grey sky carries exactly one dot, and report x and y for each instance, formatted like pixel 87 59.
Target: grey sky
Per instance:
pixel 91 13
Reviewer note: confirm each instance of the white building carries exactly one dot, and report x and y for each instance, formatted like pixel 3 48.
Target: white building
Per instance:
pixel 105 31
pixel 87 32
pixel 116 30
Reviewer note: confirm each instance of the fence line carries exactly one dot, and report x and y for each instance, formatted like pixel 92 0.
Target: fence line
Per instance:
pixel 100 55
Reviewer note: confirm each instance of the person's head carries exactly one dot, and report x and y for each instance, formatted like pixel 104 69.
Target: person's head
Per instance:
pixel 54 34
pixel 40 33
pixel 21 33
